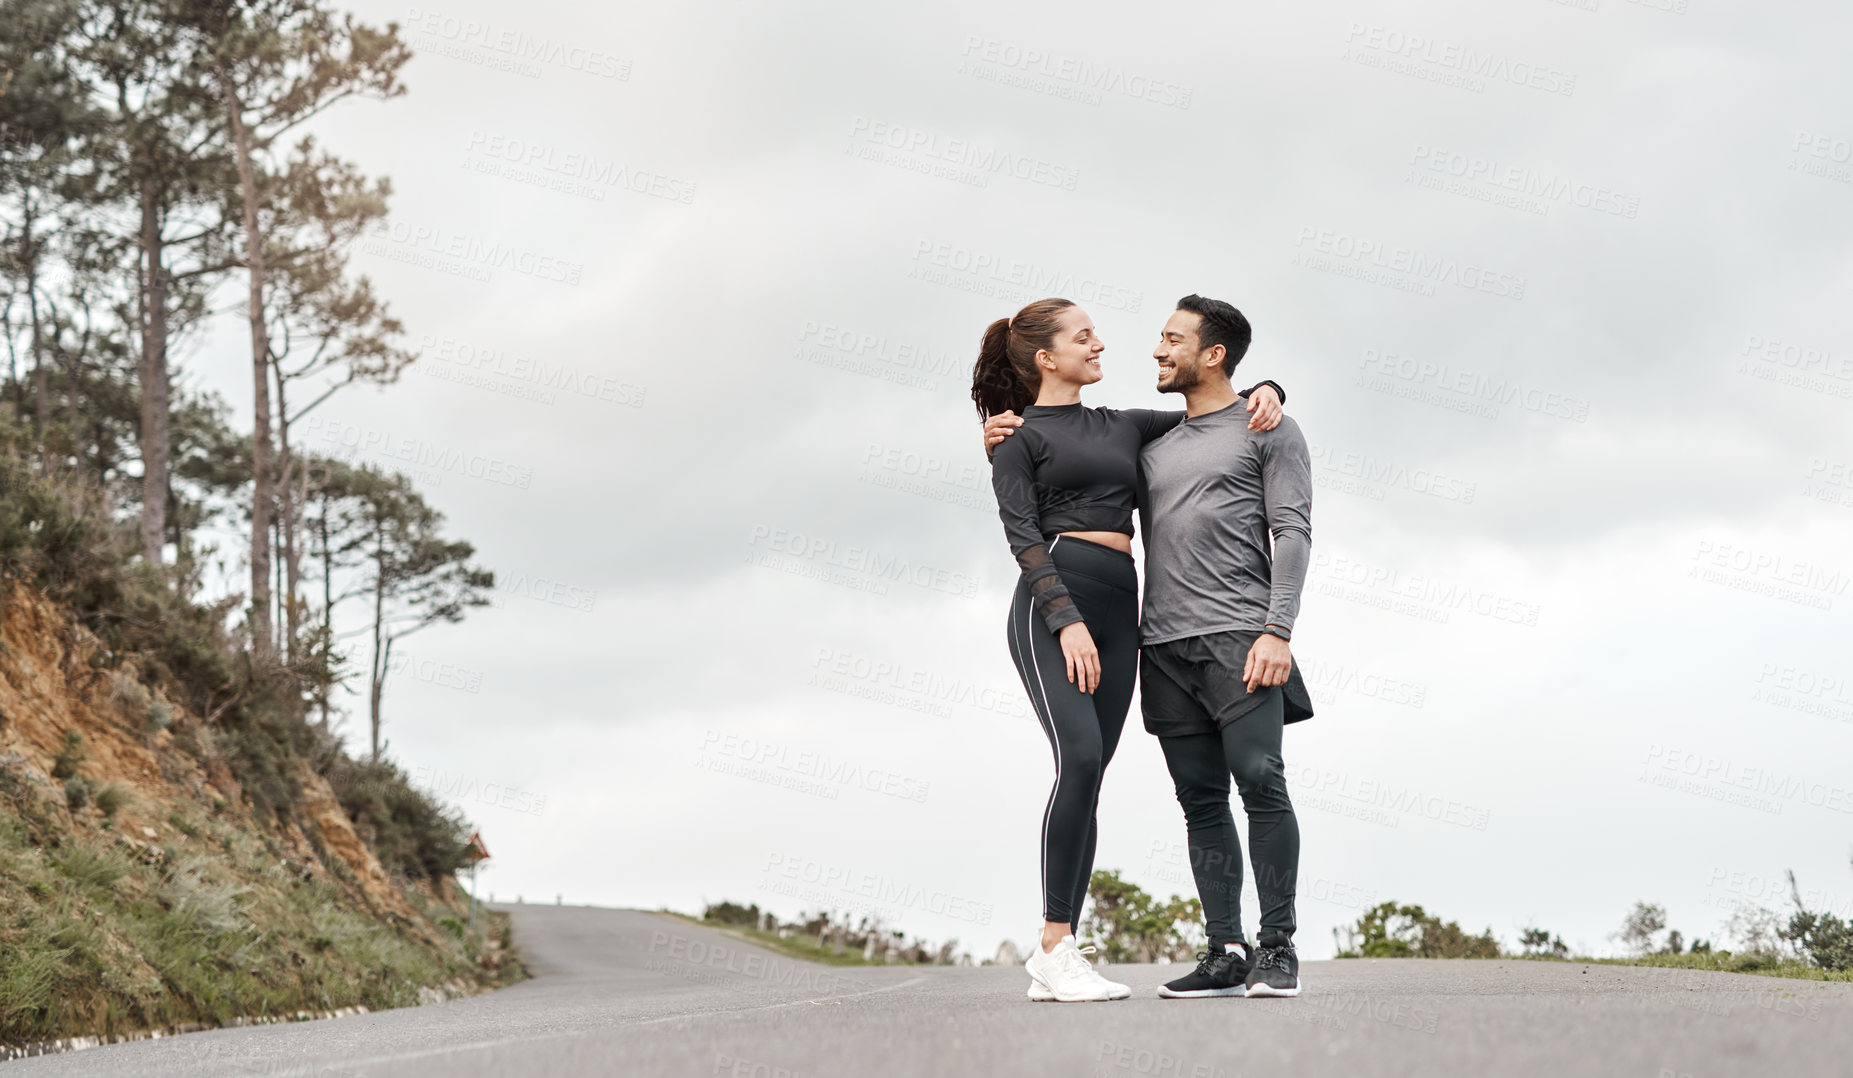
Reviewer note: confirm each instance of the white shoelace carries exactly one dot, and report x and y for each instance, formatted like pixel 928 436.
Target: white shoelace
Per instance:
pixel 1079 955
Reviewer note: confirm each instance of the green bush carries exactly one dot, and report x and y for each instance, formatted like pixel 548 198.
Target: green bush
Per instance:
pixel 729 913
pixel 29 982
pixel 409 831
pixel 111 798
pixel 64 765
pixel 87 866
pixel 1132 926
pixel 196 903
pixel 1825 939
pixel 76 793
pixel 1389 930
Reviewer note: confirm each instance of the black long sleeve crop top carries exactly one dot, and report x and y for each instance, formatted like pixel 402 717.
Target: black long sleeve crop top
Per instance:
pixel 1071 468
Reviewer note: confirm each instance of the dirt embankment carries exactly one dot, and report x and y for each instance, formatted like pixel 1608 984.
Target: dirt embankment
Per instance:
pixel 55 680
pixel 142 887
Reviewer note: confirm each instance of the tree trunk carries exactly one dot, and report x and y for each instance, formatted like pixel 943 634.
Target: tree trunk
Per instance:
pixel 74 391
pixel 260 371
pixel 40 390
pixel 288 510
pixel 377 676
pixel 276 581
pixel 12 365
pixel 328 599
pixel 153 371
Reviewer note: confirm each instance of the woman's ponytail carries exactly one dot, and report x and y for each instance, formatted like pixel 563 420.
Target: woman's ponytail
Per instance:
pixel 995 386
pixel 1006 378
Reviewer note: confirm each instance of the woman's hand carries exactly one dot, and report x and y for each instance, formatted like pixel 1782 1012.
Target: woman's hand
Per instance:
pixel 1264 408
pixel 1083 658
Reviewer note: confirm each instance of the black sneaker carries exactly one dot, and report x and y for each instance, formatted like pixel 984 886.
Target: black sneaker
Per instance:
pixel 1219 973
pixel 1276 971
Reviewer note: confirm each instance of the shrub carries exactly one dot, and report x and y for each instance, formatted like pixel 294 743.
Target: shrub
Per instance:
pixel 1825 939
pixel 127 693
pixel 197 904
pixel 29 982
pixel 160 716
pixel 64 765
pixel 12 775
pixel 88 866
pixel 1638 929
pixel 111 798
pixel 730 913
pixel 76 793
pixel 1538 943
pixel 1390 930
pixel 410 832
pixel 1132 926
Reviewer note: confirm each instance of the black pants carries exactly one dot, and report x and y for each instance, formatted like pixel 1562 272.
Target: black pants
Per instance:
pixel 1083 729
pixel 1201 764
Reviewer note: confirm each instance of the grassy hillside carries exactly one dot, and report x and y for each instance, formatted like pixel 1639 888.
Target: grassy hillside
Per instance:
pixel 161 871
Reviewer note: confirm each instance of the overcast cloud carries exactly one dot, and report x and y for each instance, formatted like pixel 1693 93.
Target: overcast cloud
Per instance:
pixel 1559 292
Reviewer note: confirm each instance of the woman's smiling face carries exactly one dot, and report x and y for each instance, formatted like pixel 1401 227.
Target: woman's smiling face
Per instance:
pixel 1073 356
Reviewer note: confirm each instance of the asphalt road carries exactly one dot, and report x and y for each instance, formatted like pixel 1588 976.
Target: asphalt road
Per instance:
pixel 620 992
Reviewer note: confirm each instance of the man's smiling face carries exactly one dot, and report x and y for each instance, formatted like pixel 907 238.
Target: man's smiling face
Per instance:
pixel 1179 355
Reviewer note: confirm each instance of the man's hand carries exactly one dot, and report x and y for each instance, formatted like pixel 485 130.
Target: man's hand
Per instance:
pixel 1264 410
pixel 999 427
pixel 1268 662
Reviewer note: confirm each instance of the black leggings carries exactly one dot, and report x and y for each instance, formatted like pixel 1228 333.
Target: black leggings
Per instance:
pixel 1083 729
pixel 1200 764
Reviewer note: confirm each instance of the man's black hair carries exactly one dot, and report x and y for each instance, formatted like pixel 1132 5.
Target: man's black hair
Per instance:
pixel 1219 323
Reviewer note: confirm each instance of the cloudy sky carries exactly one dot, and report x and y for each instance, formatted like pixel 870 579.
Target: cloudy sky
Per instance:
pixel 1559 291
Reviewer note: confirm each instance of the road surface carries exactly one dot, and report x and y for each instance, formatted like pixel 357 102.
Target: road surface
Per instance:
pixel 622 992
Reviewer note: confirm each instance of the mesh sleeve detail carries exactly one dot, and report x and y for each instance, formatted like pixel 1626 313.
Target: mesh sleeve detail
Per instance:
pixel 1046 590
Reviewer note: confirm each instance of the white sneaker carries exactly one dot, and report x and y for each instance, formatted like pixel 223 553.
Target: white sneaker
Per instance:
pixel 1066 974
pixel 1120 991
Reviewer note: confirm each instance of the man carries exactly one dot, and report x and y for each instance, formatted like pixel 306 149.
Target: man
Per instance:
pixel 1219 682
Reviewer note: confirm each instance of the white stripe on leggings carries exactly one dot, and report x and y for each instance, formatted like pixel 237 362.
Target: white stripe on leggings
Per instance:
pixel 1048 717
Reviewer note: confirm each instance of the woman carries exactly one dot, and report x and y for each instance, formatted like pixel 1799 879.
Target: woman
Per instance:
pixel 1066 482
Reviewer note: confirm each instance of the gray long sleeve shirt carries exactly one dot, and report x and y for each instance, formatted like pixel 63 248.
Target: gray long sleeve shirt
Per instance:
pixel 1215 490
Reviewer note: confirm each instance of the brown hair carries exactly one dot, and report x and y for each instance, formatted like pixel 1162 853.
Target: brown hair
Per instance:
pixel 1006 378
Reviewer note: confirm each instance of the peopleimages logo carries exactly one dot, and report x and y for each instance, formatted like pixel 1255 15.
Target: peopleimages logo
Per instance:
pixel 987 274
pixel 1081 78
pixel 1522 182
pixel 1769 566
pixel 1469 386
pixel 1375 473
pixel 880 891
pixel 874 355
pixel 517 45
pixel 1465 61
pixel 1409 262
pixel 1443 595
pixel 578 165
pixel 471 253
pixel 540 373
pixel 983 161
pixel 816 765
pixel 1669 762
pixel 352 440
pixel 883 677
pixel 832 561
